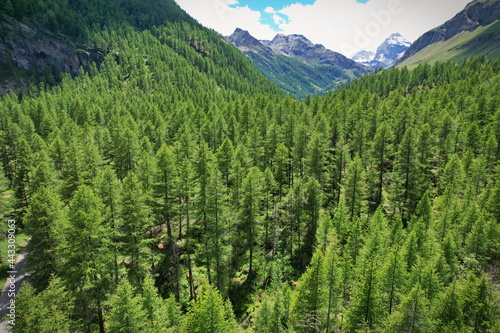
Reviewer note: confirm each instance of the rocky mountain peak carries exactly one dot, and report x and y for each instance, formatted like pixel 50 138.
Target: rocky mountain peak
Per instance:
pixel 387 53
pixel 296 64
pixel 242 37
pixel 291 45
pixel 397 39
pixel 392 49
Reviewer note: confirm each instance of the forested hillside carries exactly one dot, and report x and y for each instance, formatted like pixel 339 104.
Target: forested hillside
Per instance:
pixel 175 189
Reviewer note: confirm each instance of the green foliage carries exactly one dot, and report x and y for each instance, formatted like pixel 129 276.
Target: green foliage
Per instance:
pixel 127 314
pixel 44 220
pixel 134 223
pixel 412 315
pixel 305 301
pixel 6 195
pixel 209 313
pixel 175 158
pixel 272 314
pixel 302 79
pixel 47 311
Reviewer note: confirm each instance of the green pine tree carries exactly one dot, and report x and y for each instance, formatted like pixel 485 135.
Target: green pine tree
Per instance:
pixel 209 314
pixel 126 314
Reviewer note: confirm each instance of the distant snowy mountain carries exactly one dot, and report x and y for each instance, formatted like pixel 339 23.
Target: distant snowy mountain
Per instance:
pixel 364 56
pixel 388 53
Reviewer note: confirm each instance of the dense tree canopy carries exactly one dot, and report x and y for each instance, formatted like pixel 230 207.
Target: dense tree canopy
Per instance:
pixel 175 183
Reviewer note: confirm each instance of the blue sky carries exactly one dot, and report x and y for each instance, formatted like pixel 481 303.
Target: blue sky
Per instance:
pixel 269 10
pixel 345 26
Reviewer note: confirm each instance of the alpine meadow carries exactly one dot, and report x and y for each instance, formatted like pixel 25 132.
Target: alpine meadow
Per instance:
pixel 165 185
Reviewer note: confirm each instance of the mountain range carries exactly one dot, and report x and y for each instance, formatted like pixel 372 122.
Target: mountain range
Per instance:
pixel 388 53
pixel 303 68
pixel 297 65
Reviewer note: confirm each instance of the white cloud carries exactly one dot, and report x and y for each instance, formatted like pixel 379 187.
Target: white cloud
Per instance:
pixel 218 15
pixel 345 26
pixel 278 20
pixel 270 10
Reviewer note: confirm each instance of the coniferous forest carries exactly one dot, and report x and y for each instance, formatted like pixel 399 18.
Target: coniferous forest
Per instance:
pixel 173 188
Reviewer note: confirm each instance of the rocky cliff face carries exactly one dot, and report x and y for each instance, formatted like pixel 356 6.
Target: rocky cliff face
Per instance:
pixel 477 13
pixel 25 45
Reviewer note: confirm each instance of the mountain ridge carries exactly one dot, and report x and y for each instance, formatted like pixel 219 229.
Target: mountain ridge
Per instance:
pixel 478 13
pixel 296 64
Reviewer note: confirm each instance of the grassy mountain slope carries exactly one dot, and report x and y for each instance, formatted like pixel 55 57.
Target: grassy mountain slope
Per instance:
pixel 472 32
pixel 467 44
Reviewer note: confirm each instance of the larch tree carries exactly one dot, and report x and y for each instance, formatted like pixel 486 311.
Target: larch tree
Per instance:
pixel 392 279
pixel 412 315
pixel 332 278
pixel 354 188
pixel 84 251
pixel 166 187
pixel 44 221
pixel 380 155
pixel 109 190
pixel 186 172
pixel 134 223
pixel 407 190
pixel 126 314
pixel 166 207
pixel 250 211
pixel 40 313
pixel 306 298
pixel 22 172
pixel 209 314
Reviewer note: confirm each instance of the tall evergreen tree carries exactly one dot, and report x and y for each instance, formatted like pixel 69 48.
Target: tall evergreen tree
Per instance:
pixel 40 313
pixel 250 212
pixel 22 172
pixel 44 221
pixel 305 303
pixel 134 221
pixel 109 189
pixel 354 188
pixel 126 314
pixel 413 314
pixel 85 256
pixel 332 277
pixel 209 314
pixel 166 207
pixel 407 190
